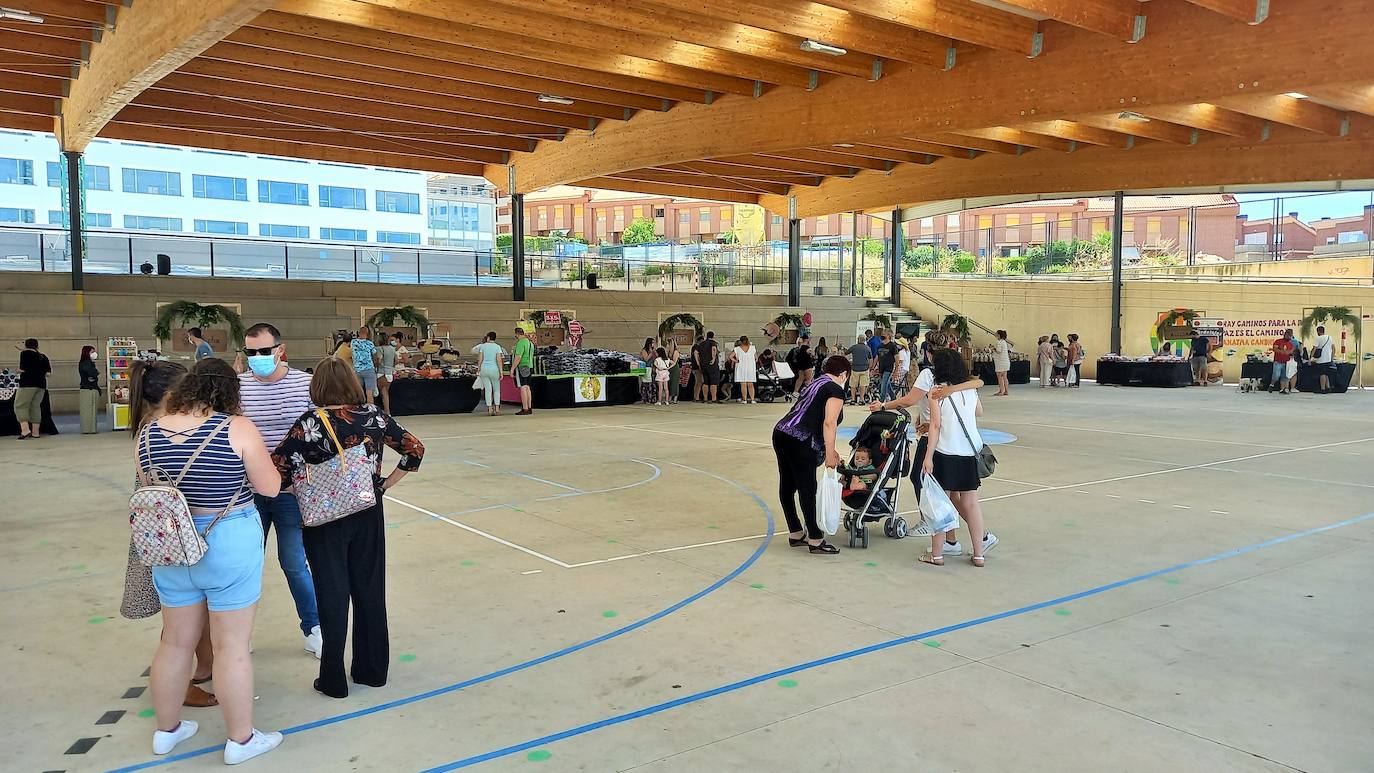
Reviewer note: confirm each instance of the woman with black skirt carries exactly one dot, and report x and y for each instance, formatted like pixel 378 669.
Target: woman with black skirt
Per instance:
pixel 949 457
pixel 348 556
pixel 803 440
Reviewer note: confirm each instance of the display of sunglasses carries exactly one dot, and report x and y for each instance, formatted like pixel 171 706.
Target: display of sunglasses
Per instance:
pixel 255 352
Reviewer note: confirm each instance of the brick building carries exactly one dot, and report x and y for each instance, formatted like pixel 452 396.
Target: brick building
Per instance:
pixel 1296 239
pixel 1345 230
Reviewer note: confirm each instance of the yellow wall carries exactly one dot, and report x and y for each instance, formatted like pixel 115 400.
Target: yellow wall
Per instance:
pixel 1343 269
pixel 1027 309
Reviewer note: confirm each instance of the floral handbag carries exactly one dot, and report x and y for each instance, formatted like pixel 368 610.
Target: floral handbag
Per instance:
pixel 337 487
pixel 164 532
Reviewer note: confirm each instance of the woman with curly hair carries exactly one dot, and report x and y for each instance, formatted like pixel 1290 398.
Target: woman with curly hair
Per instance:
pixel 348 555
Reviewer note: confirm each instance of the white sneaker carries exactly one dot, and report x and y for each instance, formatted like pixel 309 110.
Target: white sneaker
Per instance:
pixel 164 742
pixel 314 642
pixel 952 549
pixel 989 541
pixel 258 744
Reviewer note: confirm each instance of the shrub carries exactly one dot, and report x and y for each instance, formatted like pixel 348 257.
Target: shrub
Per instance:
pixel 964 264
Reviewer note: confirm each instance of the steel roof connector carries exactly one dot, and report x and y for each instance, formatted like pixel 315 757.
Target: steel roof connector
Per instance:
pixel 813 80
pixel 950 55
pixel 877 70
pixel 1138 29
pixel 1037 44
pixel 758 89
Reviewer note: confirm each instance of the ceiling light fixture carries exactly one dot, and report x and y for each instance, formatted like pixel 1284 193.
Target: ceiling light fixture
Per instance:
pixel 1127 115
pixel 817 47
pixel 843 145
pixel 18 15
pixel 554 99
pixel 1295 95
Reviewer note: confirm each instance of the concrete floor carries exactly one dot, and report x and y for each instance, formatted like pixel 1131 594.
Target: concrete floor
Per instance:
pixel 1178 587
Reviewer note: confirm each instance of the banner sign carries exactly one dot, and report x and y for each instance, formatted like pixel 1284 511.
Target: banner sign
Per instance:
pixel 1256 333
pixel 553 319
pixel 589 389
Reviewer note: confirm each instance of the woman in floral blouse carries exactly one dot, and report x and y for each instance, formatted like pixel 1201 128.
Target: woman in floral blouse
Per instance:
pixel 348 556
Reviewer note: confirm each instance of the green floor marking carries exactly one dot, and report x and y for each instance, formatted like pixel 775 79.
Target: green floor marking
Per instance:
pixel 147 713
pixel 538 755
pixel 1173 580
pixel 870 563
pixel 97 619
pixel 393 525
pixel 935 644
pixel 1062 612
pixel 609 613
pixel 787 682
pixel 467 562
pixel 756 585
pixel 612 542
pixel 1070 524
pixel 713 526
pixel 406 658
pixel 79 568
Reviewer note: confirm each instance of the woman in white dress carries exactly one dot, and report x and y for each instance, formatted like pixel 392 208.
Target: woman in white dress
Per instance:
pixel 746 372
pixel 1001 362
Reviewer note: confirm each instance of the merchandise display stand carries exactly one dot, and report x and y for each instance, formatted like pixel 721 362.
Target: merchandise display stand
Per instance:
pixel 120 354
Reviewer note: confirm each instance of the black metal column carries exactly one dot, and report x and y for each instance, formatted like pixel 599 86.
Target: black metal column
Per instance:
pixel 895 267
pixel 76 218
pixel 517 245
pixel 794 272
pixel 1118 229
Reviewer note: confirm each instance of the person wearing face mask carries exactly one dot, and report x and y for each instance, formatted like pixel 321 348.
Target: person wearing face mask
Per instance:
pixel 90 390
pixel 273 396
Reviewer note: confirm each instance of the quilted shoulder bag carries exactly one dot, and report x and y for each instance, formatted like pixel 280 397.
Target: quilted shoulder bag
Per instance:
pixel 983 457
pixel 164 532
pixel 337 487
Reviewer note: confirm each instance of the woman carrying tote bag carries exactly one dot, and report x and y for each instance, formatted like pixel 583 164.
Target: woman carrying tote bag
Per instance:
pixel 951 458
pixel 347 554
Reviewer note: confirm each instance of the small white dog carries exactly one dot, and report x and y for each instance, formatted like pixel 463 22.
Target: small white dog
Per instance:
pixel 1249 385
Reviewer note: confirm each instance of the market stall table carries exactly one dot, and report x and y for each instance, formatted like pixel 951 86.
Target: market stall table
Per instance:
pixel 574 391
pixel 1167 373
pixel 414 396
pixel 1020 372
pixel 9 424
pixel 1309 377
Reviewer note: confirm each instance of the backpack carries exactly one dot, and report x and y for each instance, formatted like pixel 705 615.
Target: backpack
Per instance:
pixel 164 533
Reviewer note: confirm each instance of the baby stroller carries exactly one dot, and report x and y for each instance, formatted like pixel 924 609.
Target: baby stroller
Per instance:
pixel 769 386
pixel 885 435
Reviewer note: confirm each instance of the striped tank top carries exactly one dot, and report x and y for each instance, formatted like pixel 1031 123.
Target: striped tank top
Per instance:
pixel 218 473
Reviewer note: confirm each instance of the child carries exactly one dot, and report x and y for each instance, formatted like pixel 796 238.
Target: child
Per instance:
pixel 859 479
pixel 661 367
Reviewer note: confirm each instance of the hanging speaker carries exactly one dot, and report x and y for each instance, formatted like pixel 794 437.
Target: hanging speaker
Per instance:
pixel 164 265
pixel 591 282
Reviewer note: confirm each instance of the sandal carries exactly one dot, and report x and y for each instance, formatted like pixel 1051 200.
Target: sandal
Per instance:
pixel 825 549
pixel 933 560
pixel 978 561
pixel 197 698
pixel 797 543
pixel 194 680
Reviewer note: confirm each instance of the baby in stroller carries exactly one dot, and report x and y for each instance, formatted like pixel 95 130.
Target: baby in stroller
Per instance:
pixel 871 477
pixel 769 386
pixel 859 476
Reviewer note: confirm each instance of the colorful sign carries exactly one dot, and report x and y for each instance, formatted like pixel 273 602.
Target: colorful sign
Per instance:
pixel 553 319
pixel 1256 333
pixel 589 389
pixel 575 333
pixel 749 220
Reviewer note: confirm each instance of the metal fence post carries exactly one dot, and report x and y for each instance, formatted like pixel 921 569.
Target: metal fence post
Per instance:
pixel 286 260
pixel 212 257
pixel 355 264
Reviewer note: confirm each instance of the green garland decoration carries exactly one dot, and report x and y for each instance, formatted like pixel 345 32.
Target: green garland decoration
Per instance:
pixel 537 317
pixel 1174 315
pixel 665 328
pixel 959 326
pixel 199 316
pixel 1337 315
pixel 784 321
pixel 408 316
pixel 882 321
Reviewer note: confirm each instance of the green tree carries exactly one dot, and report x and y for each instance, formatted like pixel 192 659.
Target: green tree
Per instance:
pixel 640 231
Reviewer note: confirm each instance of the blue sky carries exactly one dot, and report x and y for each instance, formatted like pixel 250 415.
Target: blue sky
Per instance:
pixel 1309 206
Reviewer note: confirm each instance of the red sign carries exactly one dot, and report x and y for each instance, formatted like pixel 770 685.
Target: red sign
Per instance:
pixel 806 318
pixel 553 319
pixel 575 327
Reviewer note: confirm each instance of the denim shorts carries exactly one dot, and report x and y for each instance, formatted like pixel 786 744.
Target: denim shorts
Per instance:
pixel 229 577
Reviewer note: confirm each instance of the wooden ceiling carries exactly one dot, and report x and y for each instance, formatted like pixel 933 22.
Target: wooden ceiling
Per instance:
pixel 723 99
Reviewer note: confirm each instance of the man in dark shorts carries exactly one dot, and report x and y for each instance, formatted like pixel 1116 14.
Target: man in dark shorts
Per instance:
pixel 704 356
pixel 1202 346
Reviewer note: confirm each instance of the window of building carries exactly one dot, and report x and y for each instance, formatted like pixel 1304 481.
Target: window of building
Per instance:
pixel 726 214
pixel 284 231
pixel 984 222
pixel 274 192
pixel 578 211
pixel 336 197
pixel 395 201
pixel 15 215
pixel 1013 220
pixel 93 219
pixel 343 234
pixel 777 220
pixel 1152 226
pixel 1183 231
pixel 820 224
pixel 684 217
pixel 1065 222
pixel 952 221
pixel 1037 219
pixel 1349 237
pixel 97 177
pixel 658 212
pixel 704 216
pixel 207 186
pixel 152 182
pixel 226 227
pixel 149 223
pixel 397 237
pixel 1099 225
pixel 639 211
pixel 16 171
pixel 927 223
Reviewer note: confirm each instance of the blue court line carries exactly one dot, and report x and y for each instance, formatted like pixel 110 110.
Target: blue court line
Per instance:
pixel 659 615
pixel 847 655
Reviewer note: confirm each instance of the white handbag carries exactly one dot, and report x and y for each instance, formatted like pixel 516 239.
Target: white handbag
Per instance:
pixel 828 500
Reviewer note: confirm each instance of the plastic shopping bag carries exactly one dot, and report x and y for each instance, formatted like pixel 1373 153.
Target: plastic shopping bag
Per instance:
pixel 937 512
pixel 828 494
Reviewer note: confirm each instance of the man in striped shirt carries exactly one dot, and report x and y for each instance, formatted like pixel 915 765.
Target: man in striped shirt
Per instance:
pixel 274 395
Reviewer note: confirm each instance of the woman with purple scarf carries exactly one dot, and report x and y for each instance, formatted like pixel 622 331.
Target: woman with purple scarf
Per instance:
pixel 803 440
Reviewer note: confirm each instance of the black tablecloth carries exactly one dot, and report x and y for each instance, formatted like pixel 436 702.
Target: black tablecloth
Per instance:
pixel 1151 374
pixel 1020 372
pixel 548 392
pixel 1309 376
pixel 1259 370
pixel 9 425
pixel 416 396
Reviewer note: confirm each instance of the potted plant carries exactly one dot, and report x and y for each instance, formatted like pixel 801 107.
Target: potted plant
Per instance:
pixel 1336 315
pixel 197 315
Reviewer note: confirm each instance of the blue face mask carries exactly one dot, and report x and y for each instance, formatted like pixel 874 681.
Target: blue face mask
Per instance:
pixel 263 365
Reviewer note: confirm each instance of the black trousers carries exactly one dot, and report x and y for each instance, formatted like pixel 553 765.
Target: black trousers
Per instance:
pixel 348 562
pixel 797 480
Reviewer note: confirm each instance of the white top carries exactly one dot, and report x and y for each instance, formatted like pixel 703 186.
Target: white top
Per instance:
pixel 952 441
pixel 1001 356
pixel 924 382
pixel 1324 341
pixel 662 364
pixel 903 362
pixel 746 364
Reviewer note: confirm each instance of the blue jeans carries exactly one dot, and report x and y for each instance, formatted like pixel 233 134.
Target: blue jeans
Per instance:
pixel 1279 374
pixel 284 511
pixel 885 387
pixel 369 380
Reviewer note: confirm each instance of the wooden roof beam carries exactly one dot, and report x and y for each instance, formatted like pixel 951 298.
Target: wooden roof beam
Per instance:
pixel 1212 118
pixel 1357 98
pixel 685 23
pixel 787 165
pixel 56 48
pixel 386 20
pixel 881 153
pixel 78 32
pixel 1281 108
pixel 24 121
pixel 35 85
pixel 1077 132
pixel 662 189
pixel 921 146
pixel 744 173
pixel 282 31
pixel 830 157
pixel 1152 128
pixel 69 11
pixel 1020 137
pixel 1121 19
pixel 514 18
pixel 28 103
pixel 967 143
pixel 1248 11
pixel 838 27
pixel 703 181
pixel 151 41
pixel 959 19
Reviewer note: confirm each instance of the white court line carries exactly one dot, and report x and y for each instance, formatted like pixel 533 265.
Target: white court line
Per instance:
pixel 687 434
pixel 476 464
pixel 478 532
pixel 534 571
pixel 1183 507
pixel 672 550
pixel 1136 434
pixel 1146 501
pixel 1185 468
pixel 541 480
pixel 1220 512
